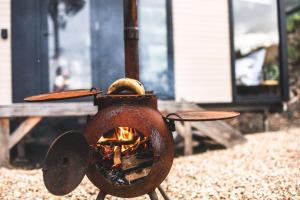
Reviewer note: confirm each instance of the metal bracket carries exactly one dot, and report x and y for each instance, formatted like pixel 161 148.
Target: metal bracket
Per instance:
pixel 95 96
pixel 131 33
pixel 170 122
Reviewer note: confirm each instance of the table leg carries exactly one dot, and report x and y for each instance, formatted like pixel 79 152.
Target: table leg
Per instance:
pixel 4 142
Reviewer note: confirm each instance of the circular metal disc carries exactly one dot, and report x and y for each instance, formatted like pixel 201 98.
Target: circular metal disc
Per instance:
pixel 66 163
pixel 201 115
pixel 69 94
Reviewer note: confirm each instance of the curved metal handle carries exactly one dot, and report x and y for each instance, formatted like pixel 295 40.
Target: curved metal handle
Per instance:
pixel 200 115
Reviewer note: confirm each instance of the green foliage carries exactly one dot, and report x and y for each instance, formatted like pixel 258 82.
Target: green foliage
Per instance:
pixel 293 22
pixel 272 72
pixel 293 29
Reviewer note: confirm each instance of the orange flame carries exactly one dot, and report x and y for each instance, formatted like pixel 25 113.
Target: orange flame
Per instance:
pixel 124 134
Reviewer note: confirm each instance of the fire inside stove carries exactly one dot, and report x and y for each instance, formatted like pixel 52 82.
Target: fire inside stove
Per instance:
pixel 125 156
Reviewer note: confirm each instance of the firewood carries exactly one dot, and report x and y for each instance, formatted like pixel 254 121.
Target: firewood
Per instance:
pixel 137 174
pixel 133 162
pixel 117 157
pixel 116 142
pixel 135 147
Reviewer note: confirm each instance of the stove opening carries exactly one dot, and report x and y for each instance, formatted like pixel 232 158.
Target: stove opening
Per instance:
pixel 125 156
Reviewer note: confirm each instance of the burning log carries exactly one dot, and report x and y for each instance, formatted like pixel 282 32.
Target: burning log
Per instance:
pixel 116 142
pixel 125 155
pixel 135 147
pixel 133 176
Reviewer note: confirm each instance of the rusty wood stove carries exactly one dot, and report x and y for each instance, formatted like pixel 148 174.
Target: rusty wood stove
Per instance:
pixel 127 148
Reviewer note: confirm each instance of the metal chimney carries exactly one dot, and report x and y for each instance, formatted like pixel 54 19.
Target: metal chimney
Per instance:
pixel 131 38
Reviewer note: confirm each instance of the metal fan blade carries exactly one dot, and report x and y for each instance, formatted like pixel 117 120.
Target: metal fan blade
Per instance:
pixel 200 115
pixel 69 94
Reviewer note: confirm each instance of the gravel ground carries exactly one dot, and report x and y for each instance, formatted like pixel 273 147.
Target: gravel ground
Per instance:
pixel 266 167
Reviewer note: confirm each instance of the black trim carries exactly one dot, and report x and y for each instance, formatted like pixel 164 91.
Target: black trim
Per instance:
pixel 284 77
pixel 245 107
pixel 259 99
pixel 170 44
pixel 43 47
pixel 232 54
pixel 29 48
pixel 284 84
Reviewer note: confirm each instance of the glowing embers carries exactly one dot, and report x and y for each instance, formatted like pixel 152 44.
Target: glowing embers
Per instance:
pixel 124 156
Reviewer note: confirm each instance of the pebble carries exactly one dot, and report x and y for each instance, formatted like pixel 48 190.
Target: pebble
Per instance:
pixel 266 167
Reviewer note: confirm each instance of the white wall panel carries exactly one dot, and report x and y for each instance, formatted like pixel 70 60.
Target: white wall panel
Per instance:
pixel 202 51
pixel 5 55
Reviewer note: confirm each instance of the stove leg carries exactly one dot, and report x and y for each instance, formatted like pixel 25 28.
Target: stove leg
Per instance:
pixel 153 195
pixel 101 196
pixel 163 193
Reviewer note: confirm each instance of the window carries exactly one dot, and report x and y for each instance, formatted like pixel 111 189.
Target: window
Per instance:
pixel 155 70
pixel 69 45
pixel 256 48
pixel 76 27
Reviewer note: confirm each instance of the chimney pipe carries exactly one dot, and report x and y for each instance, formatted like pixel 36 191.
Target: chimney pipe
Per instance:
pixel 131 38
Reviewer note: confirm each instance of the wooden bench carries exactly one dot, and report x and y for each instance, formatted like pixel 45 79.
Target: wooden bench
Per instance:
pixel 34 112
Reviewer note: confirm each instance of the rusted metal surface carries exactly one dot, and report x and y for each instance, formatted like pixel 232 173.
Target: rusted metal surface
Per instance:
pixel 126 96
pixel 131 38
pixel 200 115
pixel 70 94
pixel 149 100
pixel 66 163
pixel 143 116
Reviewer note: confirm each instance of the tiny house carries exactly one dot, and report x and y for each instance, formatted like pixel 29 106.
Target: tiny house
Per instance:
pixel 209 52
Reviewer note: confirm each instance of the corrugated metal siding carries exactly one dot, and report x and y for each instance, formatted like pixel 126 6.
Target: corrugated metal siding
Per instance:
pixel 5 55
pixel 202 51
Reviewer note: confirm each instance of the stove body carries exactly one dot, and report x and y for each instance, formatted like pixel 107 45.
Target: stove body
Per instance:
pixel 140 113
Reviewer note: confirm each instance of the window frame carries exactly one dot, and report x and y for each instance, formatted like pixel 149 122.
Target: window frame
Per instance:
pixel 170 46
pixel 283 65
pixel 37 61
